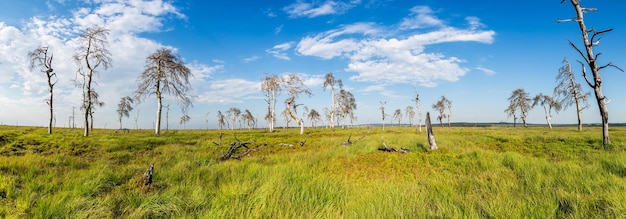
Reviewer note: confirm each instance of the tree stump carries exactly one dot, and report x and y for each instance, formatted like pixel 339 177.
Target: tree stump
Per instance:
pixel 429 133
pixel 147 176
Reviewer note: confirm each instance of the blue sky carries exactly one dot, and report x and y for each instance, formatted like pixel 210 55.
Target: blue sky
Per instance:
pixel 473 52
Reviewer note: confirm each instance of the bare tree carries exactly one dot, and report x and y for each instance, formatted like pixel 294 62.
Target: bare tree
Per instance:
pixel 346 105
pixel 220 120
pixel 248 118
pixel 272 87
pixel 591 38
pixel 511 111
pixel 295 86
pixel 313 117
pixel 206 120
pixel 419 110
pixel 184 119
pixel 568 92
pixel 234 113
pixel 91 54
pixel 382 110
pixel 167 74
pixel 327 115
pixel 448 105
pixel 410 113
pixel 42 59
pixel 520 99
pixel 286 117
pixel 398 115
pixel 440 107
pixel 548 104
pixel 330 81
pixel 137 118
pixel 124 108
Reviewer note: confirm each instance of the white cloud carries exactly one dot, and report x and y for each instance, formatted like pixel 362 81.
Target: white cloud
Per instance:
pixel 486 70
pixel 278 29
pixel 126 21
pixel 314 9
pixel 229 91
pixel 278 51
pixel 396 58
pixel 251 59
pixel 421 17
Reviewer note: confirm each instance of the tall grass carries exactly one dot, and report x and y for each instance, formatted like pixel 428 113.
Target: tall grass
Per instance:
pixel 481 172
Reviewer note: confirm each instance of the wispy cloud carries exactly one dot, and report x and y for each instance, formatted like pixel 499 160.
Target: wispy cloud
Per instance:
pixel 393 58
pixel 251 59
pixel 421 17
pixel 315 9
pixel 278 29
pixel 278 51
pixel 486 71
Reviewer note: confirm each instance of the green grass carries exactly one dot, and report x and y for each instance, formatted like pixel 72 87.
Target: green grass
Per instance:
pixel 478 172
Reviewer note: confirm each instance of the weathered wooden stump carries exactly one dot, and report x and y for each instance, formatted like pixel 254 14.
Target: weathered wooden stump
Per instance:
pixel 429 133
pixel 147 176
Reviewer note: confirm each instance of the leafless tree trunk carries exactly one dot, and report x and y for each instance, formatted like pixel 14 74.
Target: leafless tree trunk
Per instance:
pixel 429 133
pixel 91 54
pixel 330 82
pixel 382 109
pixel 569 92
pixel 40 58
pixel 166 73
pixel 591 60
pixel 295 86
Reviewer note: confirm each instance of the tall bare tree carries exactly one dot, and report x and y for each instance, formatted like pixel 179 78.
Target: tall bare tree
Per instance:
pixel 295 86
pixel 184 119
pixel 124 108
pixel 234 114
pixel 569 92
pixel 591 38
pixel 167 74
pixel 91 54
pixel 271 86
pixel 548 103
pixel 382 110
pixel 419 110
pixel 248 118
pixel 313 117
pixel 330 81
pixel 221 122
pixel 346 105
pixel 286 117
pixel 41 58
pixel 398 115
pixel 410 113
pixel 440 107
pixel 519 99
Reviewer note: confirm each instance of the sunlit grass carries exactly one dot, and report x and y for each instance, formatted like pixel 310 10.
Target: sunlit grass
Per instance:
pixel 499 172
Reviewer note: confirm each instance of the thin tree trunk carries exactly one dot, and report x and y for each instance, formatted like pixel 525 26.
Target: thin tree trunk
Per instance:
pixel 51 109
pixel 332 109
pixel 157 127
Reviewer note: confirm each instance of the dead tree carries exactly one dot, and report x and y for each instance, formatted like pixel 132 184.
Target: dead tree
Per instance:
pixel 429 133
pixel 392 149
pixel 349 142
pixel 90 55
pixel 591 38
pixel 41 58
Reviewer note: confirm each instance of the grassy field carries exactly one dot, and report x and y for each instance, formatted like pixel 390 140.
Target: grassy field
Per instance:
pixel 477 172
